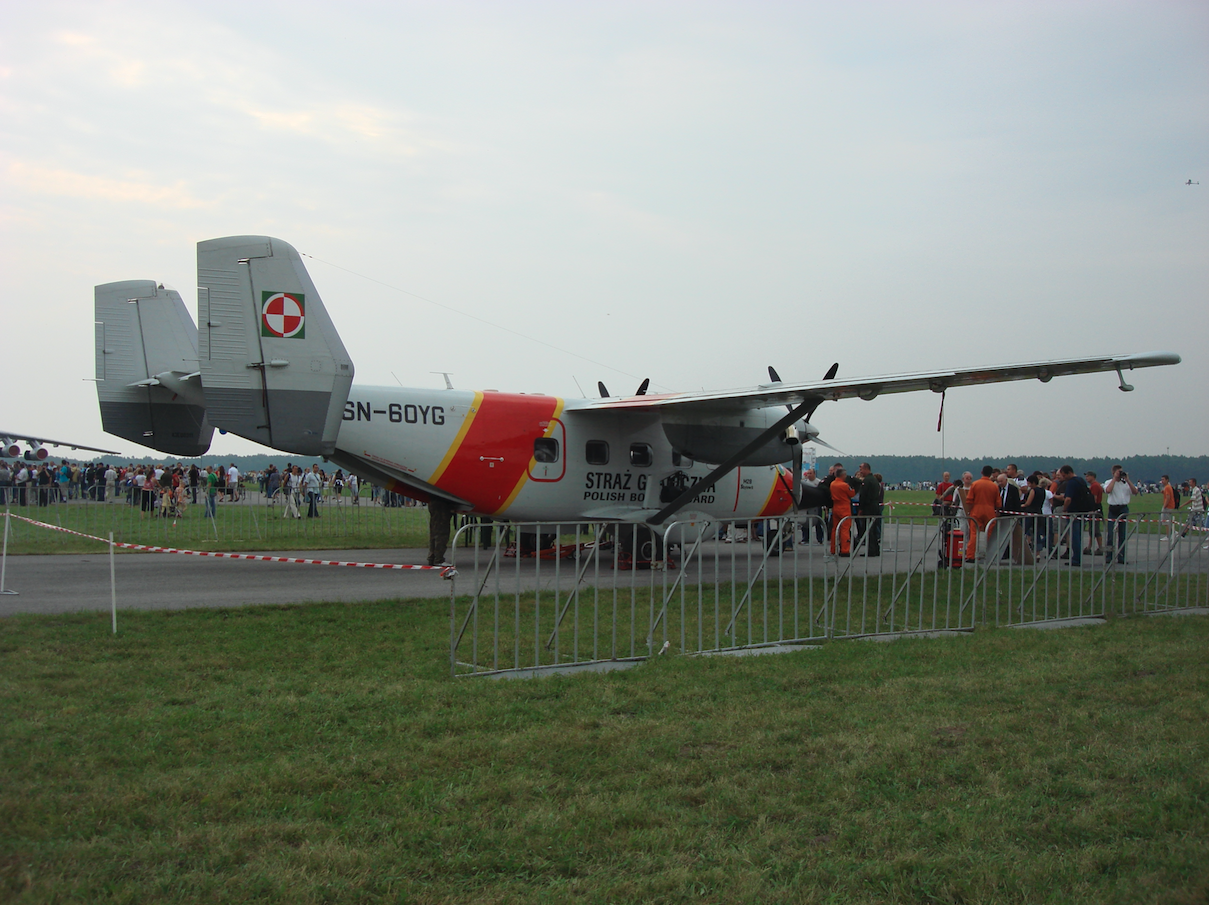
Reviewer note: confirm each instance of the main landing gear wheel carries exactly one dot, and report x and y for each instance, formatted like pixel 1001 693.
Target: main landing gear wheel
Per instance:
pixel 637 546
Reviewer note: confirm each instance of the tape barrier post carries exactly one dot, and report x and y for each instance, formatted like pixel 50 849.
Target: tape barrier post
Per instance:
pixel 4 558
pixel 113 587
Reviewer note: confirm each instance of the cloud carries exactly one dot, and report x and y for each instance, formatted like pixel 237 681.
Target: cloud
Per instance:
pixel 343 122
pixel 44 181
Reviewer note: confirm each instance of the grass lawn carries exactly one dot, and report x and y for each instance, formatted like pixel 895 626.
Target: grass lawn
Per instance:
pixel 322 754
pixel 236 527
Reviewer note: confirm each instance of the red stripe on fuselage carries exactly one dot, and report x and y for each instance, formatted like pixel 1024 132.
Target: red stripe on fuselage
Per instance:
pixel 494 455
pixel 779 499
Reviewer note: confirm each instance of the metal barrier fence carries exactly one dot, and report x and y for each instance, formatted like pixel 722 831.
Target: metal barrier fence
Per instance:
pixel 537 597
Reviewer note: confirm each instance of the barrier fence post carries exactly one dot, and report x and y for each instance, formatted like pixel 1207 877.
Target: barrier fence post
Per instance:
pixel 113 588
pixel 4 558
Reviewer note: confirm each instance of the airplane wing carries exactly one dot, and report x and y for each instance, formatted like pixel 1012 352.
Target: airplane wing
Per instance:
pixel 871 387
pixel 44 441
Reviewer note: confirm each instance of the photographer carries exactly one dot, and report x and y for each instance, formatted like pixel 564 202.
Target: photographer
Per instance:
pixel 1118 491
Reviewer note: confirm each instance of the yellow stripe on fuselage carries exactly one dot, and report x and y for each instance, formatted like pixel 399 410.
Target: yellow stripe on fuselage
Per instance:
pixel 457 441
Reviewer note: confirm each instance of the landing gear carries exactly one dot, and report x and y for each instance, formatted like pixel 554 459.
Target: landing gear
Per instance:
pixel 638 547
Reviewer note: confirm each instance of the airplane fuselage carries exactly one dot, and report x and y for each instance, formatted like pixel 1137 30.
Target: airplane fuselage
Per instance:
pixel 530 457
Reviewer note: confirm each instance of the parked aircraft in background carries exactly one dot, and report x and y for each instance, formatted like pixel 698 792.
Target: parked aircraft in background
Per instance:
pixel 10 448
pixel 267 364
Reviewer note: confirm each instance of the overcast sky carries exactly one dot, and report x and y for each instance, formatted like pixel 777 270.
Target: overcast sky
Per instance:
pixel 682 191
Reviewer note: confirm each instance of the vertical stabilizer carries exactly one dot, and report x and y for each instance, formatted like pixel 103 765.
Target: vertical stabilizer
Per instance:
pixel 147 376
pixel 274 368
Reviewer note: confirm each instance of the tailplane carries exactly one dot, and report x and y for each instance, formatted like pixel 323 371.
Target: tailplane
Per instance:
pixel 272 364
pixel 148 381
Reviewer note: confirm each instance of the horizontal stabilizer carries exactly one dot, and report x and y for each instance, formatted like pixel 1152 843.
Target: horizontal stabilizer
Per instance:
pixel 146 368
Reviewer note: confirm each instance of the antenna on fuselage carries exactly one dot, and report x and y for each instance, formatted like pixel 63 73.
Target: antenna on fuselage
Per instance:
pixel 445 374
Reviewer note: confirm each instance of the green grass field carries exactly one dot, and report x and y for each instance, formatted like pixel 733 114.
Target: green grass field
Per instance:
pixel 322 754
pixel 243 526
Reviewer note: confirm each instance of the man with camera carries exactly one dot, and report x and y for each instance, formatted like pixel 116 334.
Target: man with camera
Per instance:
pixel 1118 491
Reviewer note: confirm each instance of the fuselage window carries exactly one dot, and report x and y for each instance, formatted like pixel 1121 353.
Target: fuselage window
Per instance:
pixel 680 461
pixel 641 455
pixel 545 449
pixel 597 452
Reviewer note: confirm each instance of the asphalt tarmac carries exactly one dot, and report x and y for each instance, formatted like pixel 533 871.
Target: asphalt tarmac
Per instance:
pixel 149 581
pixel 167 581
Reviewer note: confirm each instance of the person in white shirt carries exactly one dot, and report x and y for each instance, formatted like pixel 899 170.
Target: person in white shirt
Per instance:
pixel 291 486
pixel 1118 491
pixel 233 483
pixel 21 488
pixel 314 485
pixel 814 513
pixel 1196 505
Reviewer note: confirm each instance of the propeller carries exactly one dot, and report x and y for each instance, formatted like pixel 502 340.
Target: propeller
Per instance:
pixel 642 387
pixel 604 390
pixel 795 452
pixel 794 442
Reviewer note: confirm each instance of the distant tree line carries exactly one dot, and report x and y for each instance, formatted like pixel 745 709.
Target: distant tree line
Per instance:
pixel 929 468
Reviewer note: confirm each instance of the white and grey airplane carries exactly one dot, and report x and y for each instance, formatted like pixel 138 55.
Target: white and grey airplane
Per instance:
pixel 265 362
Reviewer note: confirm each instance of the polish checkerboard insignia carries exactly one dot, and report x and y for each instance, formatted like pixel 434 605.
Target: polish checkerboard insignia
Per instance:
pixel 283 314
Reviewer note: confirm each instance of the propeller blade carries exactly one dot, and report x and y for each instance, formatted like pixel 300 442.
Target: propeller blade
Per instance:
pixel 776 378
pixel 642 387
pixel 796 488
pixel 604 390
pixel 822 442
pixel 830 375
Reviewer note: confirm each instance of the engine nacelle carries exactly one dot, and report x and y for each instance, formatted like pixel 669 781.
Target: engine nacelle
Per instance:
pixel 10 449
pixel 716 439
pixel 37 453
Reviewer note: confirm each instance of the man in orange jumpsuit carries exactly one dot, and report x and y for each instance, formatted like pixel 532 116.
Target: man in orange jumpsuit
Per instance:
pixel 982 500
pixel 841 508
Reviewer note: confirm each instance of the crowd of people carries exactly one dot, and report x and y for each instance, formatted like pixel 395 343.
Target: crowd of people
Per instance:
pixel 837 507
pixel 168 490
pixel 1052 511
pixel 842 504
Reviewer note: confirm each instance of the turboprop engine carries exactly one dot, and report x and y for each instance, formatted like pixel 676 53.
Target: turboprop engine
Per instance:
pixel 716 439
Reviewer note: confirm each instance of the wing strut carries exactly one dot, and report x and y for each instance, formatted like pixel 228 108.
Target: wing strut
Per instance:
pixel 732 463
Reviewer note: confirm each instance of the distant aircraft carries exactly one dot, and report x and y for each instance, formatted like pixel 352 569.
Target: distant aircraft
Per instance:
pixel 268 365
pixel 37 452
pixel 1190 182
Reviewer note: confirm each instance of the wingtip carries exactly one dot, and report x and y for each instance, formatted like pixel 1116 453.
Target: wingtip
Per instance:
pixel 1153 359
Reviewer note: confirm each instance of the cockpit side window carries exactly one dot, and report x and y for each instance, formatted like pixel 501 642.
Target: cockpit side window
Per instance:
pixel 545 449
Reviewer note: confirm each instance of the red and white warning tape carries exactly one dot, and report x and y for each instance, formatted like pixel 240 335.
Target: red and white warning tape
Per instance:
pixel 446 571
